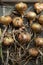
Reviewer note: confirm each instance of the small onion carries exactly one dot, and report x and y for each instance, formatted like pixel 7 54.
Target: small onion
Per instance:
pixel 36 27
pixel 33 52
pixel 39 41
pixel 8 41
pixel 41 19
pixel 31 15
pixel 6 20
pixel 17 22
pixel 24 37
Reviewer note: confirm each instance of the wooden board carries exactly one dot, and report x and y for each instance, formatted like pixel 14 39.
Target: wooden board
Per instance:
pixel 21 0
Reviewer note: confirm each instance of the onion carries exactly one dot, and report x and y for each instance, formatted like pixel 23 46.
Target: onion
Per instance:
pixel 39 41
pixel 36 27
pixel 33 52
pixel 41 19
pixel 31 15
pixel 6 20
pixel 21 7
pixel 24 37
pixel 8 41
pixel 17 21
pixel 38 7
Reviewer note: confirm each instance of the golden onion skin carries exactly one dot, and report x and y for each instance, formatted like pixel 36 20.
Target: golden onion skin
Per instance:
pixel 38 7
pixel 31 15
pixel 24 37
pixel 41 19
pixel 21 7
pixel 39 41
pixel 17 21
pixel 33 52
pixel 36 27
pixel 6 20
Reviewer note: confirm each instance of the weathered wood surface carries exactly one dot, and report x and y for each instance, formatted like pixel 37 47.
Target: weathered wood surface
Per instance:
pixel 21 0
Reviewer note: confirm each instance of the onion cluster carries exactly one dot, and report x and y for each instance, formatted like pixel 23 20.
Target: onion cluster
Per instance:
pixel 24 33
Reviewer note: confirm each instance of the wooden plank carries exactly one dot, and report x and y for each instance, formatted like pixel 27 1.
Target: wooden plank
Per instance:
pixel 21 1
